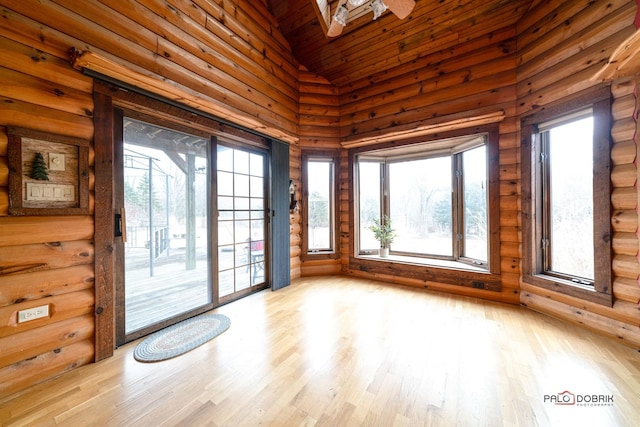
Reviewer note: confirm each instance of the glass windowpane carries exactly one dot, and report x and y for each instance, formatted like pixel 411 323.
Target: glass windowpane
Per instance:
pixel 225 158
pixel 319 185
pixel 257 186
pixel 571 198
pixel 240 215
pixel 475 203
pixel 225 184
pixel 257 204
pixel 225 257
pixel 226 280
pixel 241 185
pixel 225 232
pixel 256 165
pixel 167 225
pixel 420 205
pixel 369 188
pixel 225 203
pixel 241 203
pixel 241 162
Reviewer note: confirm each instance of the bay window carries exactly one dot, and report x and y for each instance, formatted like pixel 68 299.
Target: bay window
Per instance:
pixel 436 194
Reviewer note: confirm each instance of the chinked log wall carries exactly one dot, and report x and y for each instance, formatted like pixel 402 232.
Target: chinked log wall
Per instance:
pixel 230 52
pixel 559 50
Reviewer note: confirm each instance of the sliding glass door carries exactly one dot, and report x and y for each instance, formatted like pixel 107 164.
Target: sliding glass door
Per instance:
pixel 193 214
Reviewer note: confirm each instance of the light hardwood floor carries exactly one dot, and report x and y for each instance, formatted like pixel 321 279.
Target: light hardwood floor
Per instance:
pixel 338 351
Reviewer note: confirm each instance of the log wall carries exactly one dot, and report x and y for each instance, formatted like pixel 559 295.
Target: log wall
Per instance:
pixel 472 79
pixel 230 52
pixel 44 260
pixel 559 50
pixel 234 55
pixel 319 120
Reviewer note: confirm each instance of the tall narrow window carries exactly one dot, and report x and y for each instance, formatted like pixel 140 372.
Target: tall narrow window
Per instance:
pixel 320 185
pixel 370 202
pixel 319 204
pixel 566 199
pixel 474 227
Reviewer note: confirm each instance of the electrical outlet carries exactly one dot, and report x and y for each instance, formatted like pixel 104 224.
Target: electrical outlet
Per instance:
pixel 477 284
pixel 33 313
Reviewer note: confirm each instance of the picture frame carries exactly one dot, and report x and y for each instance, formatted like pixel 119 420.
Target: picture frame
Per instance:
pixel 48 173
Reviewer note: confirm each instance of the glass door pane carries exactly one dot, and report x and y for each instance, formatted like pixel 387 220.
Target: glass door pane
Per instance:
pixel 241 220
pixel 167 235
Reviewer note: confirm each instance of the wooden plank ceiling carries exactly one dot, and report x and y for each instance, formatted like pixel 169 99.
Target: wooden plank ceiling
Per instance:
pixel 367 46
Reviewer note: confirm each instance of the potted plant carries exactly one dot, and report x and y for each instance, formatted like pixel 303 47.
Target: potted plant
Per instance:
pixel 383 233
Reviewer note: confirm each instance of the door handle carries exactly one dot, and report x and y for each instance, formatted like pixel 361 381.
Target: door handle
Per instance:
pixel 121 225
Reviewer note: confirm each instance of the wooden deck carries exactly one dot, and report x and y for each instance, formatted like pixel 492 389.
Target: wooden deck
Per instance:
pixel 173 289
pixel 338 351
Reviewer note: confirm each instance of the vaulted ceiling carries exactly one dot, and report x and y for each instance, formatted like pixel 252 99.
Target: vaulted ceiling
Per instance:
pixel 368 47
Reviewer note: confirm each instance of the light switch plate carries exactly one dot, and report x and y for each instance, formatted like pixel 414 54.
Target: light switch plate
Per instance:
pixel 39 191
pixel 56 162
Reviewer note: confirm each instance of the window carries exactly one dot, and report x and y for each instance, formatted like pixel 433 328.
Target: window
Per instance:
pixel 436 195
pixel 319 204
pixel 566 201
pixel 567 194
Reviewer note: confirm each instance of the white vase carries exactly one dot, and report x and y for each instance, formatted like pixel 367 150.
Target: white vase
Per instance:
pixel 384 252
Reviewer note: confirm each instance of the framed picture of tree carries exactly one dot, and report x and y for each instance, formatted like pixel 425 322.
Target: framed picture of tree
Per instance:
pixel 48 173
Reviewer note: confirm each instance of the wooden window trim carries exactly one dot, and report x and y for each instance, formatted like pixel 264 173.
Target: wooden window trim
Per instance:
pixel 601 292
pixel 305 155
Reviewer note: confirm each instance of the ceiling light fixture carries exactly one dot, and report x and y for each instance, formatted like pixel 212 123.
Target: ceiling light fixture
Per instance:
pixel 378 8
pixel 342 12
pixel 341 15
pixel 400 8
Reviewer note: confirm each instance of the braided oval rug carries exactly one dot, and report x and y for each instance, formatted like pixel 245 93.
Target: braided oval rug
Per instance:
pixel 181 337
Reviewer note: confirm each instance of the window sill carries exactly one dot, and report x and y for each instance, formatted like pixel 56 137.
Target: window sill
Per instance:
pixel 428 270
pixel 431 262
pixel 319 255
pixel 566 287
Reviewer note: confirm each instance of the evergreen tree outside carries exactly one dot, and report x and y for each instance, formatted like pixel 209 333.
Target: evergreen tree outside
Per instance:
pixel 318 217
